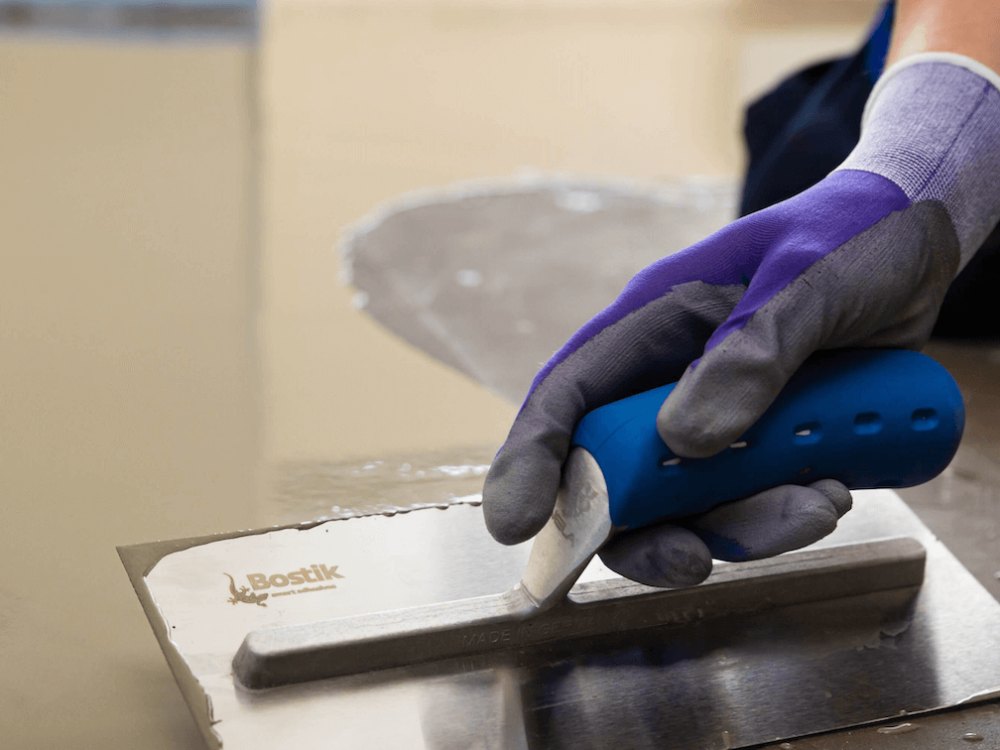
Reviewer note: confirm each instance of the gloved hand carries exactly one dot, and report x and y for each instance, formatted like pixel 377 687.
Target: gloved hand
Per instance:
pixel 862 259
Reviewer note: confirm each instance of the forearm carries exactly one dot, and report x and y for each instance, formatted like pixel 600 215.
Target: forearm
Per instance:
pixel 965 27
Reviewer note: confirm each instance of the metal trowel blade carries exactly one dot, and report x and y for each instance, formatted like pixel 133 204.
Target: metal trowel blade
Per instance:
pixel 756 675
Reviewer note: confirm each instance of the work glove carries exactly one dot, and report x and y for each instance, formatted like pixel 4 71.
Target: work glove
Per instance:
pixel 861 259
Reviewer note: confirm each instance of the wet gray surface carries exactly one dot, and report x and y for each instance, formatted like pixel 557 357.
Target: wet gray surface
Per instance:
pixel 965 729
pixel 330 489
pixel 962 506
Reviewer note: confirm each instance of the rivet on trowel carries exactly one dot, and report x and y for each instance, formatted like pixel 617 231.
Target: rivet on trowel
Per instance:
pixel 972 737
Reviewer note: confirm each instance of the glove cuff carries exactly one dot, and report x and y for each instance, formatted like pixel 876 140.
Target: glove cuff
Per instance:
pixel 932 126
pixel 952 58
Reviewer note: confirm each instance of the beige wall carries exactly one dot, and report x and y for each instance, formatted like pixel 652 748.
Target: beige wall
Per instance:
pixel 129 390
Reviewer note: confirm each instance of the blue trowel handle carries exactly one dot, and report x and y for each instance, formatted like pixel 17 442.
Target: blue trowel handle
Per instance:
pixel 868 418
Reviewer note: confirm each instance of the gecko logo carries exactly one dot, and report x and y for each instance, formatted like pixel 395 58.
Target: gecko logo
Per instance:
pixel 243 595
pixel 282 584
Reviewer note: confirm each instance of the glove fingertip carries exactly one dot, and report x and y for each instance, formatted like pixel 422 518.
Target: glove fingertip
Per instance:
pixel 687 431
pixel 837 493
pixel 509 524
pixel 518 498
pixel 772 522
pixel 709 409
pixel 664 556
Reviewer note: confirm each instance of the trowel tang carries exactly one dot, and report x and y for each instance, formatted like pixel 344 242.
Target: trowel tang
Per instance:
pixel 868 418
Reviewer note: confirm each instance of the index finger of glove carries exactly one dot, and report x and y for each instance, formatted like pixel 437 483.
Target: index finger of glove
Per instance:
pixel 621 352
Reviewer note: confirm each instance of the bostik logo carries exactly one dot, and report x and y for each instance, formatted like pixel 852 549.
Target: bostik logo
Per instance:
pixel 314 574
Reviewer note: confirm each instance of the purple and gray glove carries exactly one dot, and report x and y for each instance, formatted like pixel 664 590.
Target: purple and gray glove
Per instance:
pixel 862 259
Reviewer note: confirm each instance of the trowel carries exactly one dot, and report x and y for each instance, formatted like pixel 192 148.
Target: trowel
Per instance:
pixel 416 630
